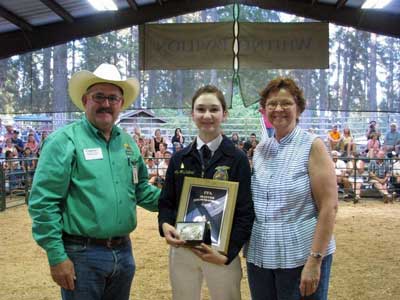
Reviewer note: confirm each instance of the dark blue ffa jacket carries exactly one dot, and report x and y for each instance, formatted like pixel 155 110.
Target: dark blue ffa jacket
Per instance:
pixel 239 170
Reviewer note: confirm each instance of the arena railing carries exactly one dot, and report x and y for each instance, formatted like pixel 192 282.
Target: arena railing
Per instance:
pixel 363 180
pixel 15 183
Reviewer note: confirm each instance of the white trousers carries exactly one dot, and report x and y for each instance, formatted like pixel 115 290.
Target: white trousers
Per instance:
pixel 186 271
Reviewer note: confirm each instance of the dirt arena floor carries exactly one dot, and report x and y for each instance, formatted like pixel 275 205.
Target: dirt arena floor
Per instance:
pixel 366 264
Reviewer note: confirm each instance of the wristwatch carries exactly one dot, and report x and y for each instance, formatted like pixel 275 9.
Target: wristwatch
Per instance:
pixel 317 255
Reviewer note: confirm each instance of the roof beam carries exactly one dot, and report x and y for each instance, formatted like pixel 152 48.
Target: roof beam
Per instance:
pixel 372 20
pixel 48 35
pixel 59 10
pixel 132 4
pixel 12 18
pixel 340 3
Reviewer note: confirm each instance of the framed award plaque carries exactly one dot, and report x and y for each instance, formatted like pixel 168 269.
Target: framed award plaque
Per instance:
pixel 211 201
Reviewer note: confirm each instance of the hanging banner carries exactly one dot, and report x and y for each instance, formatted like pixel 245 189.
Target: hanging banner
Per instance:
pixel 210 46
pixel 284 45
pixel 185 46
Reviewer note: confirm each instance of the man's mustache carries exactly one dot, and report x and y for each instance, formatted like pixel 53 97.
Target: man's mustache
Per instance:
pixel 106 110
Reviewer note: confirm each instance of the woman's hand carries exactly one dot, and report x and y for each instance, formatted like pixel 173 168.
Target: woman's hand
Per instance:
pixel 310 276
pixel 171 235
pixel 210 255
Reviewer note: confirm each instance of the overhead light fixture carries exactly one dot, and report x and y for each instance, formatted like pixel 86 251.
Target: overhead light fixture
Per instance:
pixel 103 4
pixel 375 4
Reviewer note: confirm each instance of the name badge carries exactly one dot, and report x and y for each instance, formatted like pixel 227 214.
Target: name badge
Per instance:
pixel 135 176
pixel 93 153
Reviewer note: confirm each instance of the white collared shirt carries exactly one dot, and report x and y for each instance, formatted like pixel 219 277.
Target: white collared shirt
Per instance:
pixel 212 145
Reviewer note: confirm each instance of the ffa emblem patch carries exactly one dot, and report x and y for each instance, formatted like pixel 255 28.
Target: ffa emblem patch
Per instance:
pixel 221 173
pixel 128 149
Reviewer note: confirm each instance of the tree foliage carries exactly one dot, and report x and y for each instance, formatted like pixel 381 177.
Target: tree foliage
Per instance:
pixel 364 73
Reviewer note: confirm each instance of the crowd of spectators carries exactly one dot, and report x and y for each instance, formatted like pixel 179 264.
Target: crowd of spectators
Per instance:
pixel 20 148
pixel 158 149
pixel 18 154
pixel 378 166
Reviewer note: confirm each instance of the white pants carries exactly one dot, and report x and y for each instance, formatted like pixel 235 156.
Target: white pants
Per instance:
pixel 186 271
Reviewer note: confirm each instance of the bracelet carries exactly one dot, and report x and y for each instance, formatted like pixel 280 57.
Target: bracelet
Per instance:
pixel 316 255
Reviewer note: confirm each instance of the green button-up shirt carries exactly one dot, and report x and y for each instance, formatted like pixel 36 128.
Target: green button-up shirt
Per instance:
pixel 86 186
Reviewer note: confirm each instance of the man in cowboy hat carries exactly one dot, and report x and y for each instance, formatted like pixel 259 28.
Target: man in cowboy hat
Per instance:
pixel 89 179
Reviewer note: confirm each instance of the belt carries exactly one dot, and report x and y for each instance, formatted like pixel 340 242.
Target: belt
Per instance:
pixel 111 242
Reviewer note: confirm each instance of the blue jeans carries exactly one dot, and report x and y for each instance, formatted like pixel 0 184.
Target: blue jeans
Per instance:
pixel 283 284
pixel 101 273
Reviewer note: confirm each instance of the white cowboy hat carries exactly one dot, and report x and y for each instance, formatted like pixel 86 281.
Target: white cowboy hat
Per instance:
pixel 105 73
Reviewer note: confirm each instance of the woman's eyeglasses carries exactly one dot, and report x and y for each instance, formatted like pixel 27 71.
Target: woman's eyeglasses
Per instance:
pixel 284 104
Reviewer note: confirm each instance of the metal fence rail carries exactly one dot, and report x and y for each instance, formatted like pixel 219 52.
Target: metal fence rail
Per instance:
pixel 15 183
pixel 355 179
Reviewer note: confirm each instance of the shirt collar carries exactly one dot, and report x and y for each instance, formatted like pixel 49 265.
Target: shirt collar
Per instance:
pixel 213 145
pixel 115 130
pixel 289 137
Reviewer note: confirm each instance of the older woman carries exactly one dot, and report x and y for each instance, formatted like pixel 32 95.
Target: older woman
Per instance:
pixel 289 255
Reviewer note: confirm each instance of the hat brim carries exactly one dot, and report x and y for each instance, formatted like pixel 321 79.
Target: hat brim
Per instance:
pixel 81 80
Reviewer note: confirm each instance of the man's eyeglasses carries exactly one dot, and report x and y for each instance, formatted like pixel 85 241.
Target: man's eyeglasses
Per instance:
pixel 100 98
pixel 284 104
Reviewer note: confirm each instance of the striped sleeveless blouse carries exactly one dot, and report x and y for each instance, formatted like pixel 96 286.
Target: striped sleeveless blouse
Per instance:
pixel 286 214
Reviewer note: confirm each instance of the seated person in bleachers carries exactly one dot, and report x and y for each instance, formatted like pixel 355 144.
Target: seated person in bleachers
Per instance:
pixel 163 148
pixel 145 151
pixel 177 147
pixel 379 175
pixel 340 168
pixel 162 167
pixel 392 139
pixel 396 177
pixel 29 162
pixel 178 138
pixel 334 138
pixel 373 129
pixel 250 151
pixel 249 143
pixel 18 143
pixel 8 146
pixel 347 145
pixel 241 146
pixel 158 158
pixel 156 141
pixel 32 144
pixel 373 146
pixel 42 139
pixel 137 133
pixel 11 166
pixel 355 169
pixel 11 162
pixel 152 170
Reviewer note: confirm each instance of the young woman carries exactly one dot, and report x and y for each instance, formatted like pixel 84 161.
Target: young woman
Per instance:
pixel 156 141
pixel 348 146
pixel 373 146
pixel 188 266
pixel 178 138
pixel 32 144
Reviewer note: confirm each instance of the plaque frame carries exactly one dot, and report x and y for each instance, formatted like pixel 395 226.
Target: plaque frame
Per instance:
pixel 221 230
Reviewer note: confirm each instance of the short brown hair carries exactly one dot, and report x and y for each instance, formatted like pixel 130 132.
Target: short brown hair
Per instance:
pixel 210 89
pixel 287 84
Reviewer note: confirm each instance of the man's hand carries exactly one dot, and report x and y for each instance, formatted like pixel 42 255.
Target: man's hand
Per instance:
pixel 210 255
pixel 64 274
pixel 171 235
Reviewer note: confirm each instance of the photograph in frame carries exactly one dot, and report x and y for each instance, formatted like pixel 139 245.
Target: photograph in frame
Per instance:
pixel 213 201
